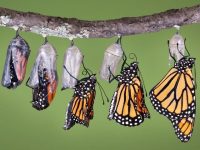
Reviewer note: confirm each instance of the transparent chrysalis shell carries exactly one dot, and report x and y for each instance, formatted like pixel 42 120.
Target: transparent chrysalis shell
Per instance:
pixel 112 57
pixel 16 60
pixel 43 79
pixel 177 46
pixel 72 61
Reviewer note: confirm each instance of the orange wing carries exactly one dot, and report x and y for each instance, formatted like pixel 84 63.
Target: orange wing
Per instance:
pixel 127 106
pixel 141 107
pixel 184 128
pixel 20 65
pixel 90 112
pixel 51 88
pixel 80 110
pixel 174 96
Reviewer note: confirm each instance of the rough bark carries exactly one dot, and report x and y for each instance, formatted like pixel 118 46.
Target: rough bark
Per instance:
pixel 75 28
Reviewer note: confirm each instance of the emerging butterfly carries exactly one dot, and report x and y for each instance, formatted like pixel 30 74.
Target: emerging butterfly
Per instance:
pixel 16 61
pixel 80 108
pixel 43 79
pixel 128 106
pixel 44 93
pixel 174 97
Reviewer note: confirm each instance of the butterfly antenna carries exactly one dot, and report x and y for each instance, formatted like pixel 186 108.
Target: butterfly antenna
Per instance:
pixel 87 71
pixel 111 74
pixel 124 58
pixel 143 82
pixel 101 94
pixel 186 47
pixel 180 51
pixel 134 56
pixel 102 91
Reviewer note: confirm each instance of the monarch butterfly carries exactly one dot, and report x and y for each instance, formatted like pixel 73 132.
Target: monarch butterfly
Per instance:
pixel 174 97
pixel 128 106
pixel 43 79
pixel 44 93
pixel 16 61
pixel 80 108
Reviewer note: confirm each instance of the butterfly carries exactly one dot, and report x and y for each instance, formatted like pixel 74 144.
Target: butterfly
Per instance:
pixel 174 97
pixel 44 93
pixel 16 61
pixel 80 108
pixel 43 79
pixel 128 106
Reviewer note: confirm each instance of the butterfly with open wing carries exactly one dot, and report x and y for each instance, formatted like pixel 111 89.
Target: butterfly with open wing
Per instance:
pixel 174 97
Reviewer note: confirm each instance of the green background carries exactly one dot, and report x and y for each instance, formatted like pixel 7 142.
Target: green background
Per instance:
pixel 22 127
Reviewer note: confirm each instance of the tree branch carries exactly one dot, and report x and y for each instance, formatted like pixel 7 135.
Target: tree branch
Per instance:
pixel 74 28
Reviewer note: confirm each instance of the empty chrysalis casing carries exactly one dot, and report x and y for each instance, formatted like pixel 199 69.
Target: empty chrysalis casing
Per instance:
pixel 72 61
pixel 112 57
pixel 43 79
pixel 177 46
pixel 16 60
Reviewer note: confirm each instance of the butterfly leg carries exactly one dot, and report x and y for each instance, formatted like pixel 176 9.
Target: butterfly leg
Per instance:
pixel 69 72
pixel 27 83
pixel 124 62
pixel 170 52
pixel 111 74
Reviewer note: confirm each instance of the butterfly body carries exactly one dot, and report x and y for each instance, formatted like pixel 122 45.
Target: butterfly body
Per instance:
pixel 44 93
pixel 127 106
pixel 80 108
pixel 174 97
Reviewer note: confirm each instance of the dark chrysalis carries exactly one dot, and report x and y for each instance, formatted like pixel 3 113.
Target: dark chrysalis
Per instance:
pixel 16 60
pixel 43 79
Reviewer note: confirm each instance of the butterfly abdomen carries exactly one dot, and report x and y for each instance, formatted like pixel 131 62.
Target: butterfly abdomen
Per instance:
pixel 184 128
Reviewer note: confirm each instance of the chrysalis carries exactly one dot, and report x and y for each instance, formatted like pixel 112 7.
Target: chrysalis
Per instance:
pixel 112 57
pixel 15 65
pixel 43 79
pixel 72 61
pixel 176 47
